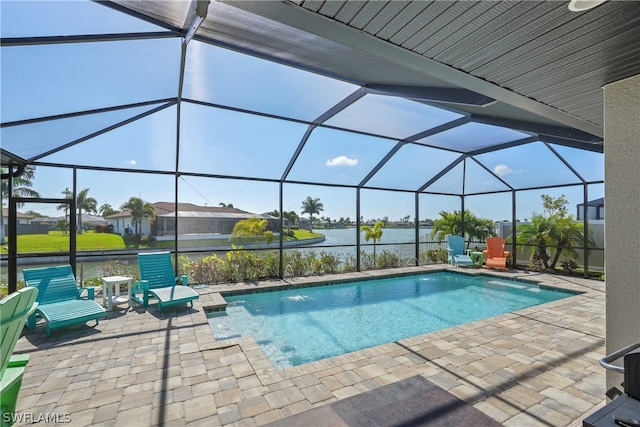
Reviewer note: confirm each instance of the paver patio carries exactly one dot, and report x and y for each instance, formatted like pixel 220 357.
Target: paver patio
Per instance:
pixel 534 367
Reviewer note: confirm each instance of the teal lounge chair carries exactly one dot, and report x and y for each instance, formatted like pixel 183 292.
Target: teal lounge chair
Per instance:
pixel 60 304
pixel 158 281
pixel 456 251
pixel 14 310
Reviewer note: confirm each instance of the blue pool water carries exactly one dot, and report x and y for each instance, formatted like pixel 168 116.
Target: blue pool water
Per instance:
pixel 307 324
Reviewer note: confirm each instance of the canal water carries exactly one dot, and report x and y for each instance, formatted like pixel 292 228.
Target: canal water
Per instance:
pixel 340 242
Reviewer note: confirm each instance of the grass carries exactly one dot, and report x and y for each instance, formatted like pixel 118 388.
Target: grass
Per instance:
pixel 56 241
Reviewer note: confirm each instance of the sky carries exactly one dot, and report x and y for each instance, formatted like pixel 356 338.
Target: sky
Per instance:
pixel 57 79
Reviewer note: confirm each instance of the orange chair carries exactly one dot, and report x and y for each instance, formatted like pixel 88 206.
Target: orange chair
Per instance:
pixel 495 255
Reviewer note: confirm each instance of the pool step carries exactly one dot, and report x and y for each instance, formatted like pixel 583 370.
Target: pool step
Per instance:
pixel 222 326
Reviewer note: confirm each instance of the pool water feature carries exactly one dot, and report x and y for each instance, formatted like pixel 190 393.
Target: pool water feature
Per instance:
pixel 302 325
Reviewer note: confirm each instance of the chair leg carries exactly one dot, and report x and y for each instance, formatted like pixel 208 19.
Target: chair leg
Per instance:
pixel 31 321
pixel 9 403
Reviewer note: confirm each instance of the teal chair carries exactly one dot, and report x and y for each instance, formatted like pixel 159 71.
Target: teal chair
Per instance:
pixel 14 310
pixel 60 303
pixel 456 251
pixel 158 281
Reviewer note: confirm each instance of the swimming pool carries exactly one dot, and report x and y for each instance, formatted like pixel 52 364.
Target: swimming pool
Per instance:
pixel 302 325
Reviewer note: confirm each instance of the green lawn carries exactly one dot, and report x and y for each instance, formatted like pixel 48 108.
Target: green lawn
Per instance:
pixel 56 241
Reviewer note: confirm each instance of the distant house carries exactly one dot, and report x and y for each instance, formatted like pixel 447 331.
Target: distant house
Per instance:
pixel 122 223
pixel 89 222
pixel 595 209
pixel 45 220
pixel 193 221
pixel 22 218
pixel 304 223
pixel 201 220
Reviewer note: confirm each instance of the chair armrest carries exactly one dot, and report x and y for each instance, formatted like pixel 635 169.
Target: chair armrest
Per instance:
pixel 141 284
pixel 33 308
pixel 182 280
pixel 17 360
pixel 143 287
pixel 91 292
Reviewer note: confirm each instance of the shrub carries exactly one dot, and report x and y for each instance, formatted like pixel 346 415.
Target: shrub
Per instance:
pixel 349 263
pixel 434 256
pixel 568 265
pixel 330 262
pixel 92 282
pixel 208 270
pixel 120 268
pixel 62 225
pixel 99 228
pixel 366 261
pixel 247 266
pixel 270 265
pixel 388 259
pixel 297 262
pixel 316 266
pixel 537 261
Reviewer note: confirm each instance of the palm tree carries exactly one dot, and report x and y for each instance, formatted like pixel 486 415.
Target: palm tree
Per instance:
pixel 224 205
pixel 21 188
pixel 566 233
pixel 451 223
pixel 291 218
pixel 374 233
pixel 88 204
pixel 448 223
pixel 139 209
pixel 536 233
pixel 106 210
pixel 252 227
pixel 553 229
pixel 477 228
pixel 311 206
pixel 65 206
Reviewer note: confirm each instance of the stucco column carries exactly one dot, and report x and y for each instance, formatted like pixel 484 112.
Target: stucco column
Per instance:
pixel 622 215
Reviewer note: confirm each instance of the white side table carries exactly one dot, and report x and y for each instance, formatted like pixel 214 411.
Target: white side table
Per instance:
pixel 111 291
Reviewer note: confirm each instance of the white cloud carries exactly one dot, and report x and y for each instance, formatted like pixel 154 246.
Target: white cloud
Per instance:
pixel 502 170
pixel 342 161
pixel 131 162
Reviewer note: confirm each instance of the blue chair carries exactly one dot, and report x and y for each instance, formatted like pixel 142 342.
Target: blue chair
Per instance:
pixel 456 251
pixel 14 310
pixel 158 281
pixel 60 303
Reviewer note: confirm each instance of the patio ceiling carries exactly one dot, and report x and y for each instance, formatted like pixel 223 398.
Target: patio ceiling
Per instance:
pixel 443 73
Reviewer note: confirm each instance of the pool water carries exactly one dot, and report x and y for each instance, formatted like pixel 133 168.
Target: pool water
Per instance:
pixel 303 325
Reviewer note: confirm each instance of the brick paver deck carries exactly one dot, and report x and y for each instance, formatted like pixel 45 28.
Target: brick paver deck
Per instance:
pixel 534 367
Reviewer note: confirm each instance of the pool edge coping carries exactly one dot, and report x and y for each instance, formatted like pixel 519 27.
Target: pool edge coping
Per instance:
pixel 268 373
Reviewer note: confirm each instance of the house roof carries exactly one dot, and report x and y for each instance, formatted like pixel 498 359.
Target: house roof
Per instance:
pixel 595 202
pixel 164 208
pixel 167 209
pixel 49 219
pixel 5 213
